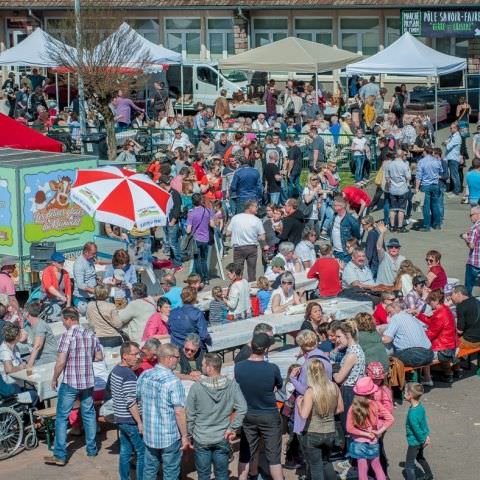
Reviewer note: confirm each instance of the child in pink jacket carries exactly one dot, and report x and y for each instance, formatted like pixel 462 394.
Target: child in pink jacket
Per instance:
pixel 383 395
pixel 367 421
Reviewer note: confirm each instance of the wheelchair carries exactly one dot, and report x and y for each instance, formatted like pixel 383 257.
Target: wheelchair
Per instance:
pixel 17 427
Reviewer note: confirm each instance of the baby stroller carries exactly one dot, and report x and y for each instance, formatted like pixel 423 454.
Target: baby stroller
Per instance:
pixel 17 428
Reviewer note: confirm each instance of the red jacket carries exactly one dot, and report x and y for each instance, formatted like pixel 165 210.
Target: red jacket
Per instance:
pixel 441 330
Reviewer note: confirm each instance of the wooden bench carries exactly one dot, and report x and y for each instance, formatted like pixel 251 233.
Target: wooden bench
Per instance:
pixel 47 417
pixel 463 352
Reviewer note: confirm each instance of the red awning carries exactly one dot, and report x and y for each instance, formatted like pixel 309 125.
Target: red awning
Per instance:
pixel 15 135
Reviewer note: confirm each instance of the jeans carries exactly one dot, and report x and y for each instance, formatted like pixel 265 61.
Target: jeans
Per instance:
pixel 200 261
pixel 441 204
pixel 316 448
pixel 275 198
pixel 471 276
pixel 170 457
pixel 218 454
pixel 455 184
pixel 130 441
pixel 66 399
pixel 386 209
pixel 174 232
pixel 342 256
pixel 359 161
pixel 431 206
pixel 284 192
pixel 294 185
pixel 326 214
pixel 247 253
pixel 415 356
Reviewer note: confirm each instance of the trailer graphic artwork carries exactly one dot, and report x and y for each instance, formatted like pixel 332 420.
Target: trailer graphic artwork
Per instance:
pixel 48 209
pixel 6 233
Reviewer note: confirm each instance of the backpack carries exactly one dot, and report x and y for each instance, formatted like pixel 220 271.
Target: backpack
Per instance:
pixel 397 106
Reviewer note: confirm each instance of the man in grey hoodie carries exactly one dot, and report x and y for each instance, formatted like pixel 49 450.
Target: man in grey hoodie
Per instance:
pixel 210 423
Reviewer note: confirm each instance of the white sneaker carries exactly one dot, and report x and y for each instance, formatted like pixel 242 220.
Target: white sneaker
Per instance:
pixel 428 383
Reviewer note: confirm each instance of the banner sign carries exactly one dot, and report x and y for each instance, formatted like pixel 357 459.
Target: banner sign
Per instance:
pixel 441 23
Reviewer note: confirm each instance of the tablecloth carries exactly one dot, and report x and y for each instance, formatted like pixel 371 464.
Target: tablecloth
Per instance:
pixel 234 334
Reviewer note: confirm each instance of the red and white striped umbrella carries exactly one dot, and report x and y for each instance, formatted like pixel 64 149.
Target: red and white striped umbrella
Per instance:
pixel 121 197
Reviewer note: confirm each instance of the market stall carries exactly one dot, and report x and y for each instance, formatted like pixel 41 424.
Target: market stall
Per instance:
pixel 291 54
pixel 409 56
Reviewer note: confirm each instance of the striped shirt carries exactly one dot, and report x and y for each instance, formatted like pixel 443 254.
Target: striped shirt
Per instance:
pixel 407 332
pixel 218 312
pixel 160 392
pixel 473 236
pixel 123 385
pixel 80 345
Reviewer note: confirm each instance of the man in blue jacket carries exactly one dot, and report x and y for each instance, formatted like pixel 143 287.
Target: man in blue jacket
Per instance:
pixel 246 185
pixel 343 227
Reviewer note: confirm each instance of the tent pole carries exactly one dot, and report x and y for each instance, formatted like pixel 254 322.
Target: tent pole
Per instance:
pixel 68 89
pixel 181 81
pixel 436 104
pixel 316 84
pixel 465 77
pixel 56 91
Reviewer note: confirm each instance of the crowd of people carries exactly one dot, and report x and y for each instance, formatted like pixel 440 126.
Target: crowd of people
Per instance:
pixel 244 194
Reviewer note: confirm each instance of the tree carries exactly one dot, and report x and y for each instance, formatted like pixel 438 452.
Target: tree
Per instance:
pixel 110 58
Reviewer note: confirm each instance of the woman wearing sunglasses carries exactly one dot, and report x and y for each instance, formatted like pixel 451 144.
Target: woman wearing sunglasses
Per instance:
pixel 436 275
pixel 284 296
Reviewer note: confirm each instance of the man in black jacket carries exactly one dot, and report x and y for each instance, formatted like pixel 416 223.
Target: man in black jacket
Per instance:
pixel 173 229
pixel 291 228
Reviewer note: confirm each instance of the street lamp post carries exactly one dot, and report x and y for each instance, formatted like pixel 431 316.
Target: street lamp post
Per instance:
pixel 81 91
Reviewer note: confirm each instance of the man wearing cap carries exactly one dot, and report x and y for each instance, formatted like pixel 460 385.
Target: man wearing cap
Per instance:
pixel 56 281
pixel 258 380
pixel 415 299
pixel 390 260
pixel 85 277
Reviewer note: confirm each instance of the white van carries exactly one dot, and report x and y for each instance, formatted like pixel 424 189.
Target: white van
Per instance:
pixel 202 82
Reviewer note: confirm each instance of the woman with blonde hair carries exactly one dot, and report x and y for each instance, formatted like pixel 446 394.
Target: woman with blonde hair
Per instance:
pixel 311 200
pixel 321 402
pixel 404 279
pixel 308 343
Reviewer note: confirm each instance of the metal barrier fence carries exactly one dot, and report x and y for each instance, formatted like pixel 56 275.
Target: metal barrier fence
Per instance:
pixel 159 140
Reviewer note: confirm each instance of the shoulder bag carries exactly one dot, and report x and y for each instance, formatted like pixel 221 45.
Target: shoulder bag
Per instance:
pixel 189 245
pixel 123 335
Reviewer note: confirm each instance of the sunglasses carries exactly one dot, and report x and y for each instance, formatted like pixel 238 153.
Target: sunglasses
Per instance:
pixel 287 283
pixel 393 247
pixel 190 350
pixel 429 260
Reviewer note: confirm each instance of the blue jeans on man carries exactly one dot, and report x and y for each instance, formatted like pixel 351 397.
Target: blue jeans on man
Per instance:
pixel 294 186
pixel 431 206
pixel 200 264
pixel 471 277
pixel 274 198
pixel 359 161
pixel 67 396
pixel 170 458
pixel 218 454
pixel 130 441
pixel 326 214
pixel 415 356
pixel 453 167
pixel 174 234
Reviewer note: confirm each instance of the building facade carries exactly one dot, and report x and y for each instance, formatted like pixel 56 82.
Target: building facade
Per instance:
pixel 211 29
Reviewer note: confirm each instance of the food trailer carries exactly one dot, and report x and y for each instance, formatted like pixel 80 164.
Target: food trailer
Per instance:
pixel 35 206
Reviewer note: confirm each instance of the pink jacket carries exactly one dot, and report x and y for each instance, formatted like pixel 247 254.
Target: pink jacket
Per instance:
pixel 384 396
pixel 155 326
pixel 378 417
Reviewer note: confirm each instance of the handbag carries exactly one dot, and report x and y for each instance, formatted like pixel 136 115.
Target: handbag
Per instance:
pixel 189 245
pixel 306 209
pixel 124 336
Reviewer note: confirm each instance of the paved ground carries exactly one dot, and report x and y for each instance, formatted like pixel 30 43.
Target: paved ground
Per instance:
pixel 453 410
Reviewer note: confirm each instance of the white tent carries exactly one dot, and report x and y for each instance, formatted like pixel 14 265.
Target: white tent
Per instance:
pixel 156 54
pixel 409 56
pixel 32 51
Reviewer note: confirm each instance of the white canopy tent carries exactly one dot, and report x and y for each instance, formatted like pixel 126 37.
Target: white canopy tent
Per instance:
pixel 32 51
pixel 156 54
pixel 409 56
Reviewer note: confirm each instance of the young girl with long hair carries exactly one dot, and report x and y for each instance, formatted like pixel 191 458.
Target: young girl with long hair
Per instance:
pixel 367 421
pixel 321 402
